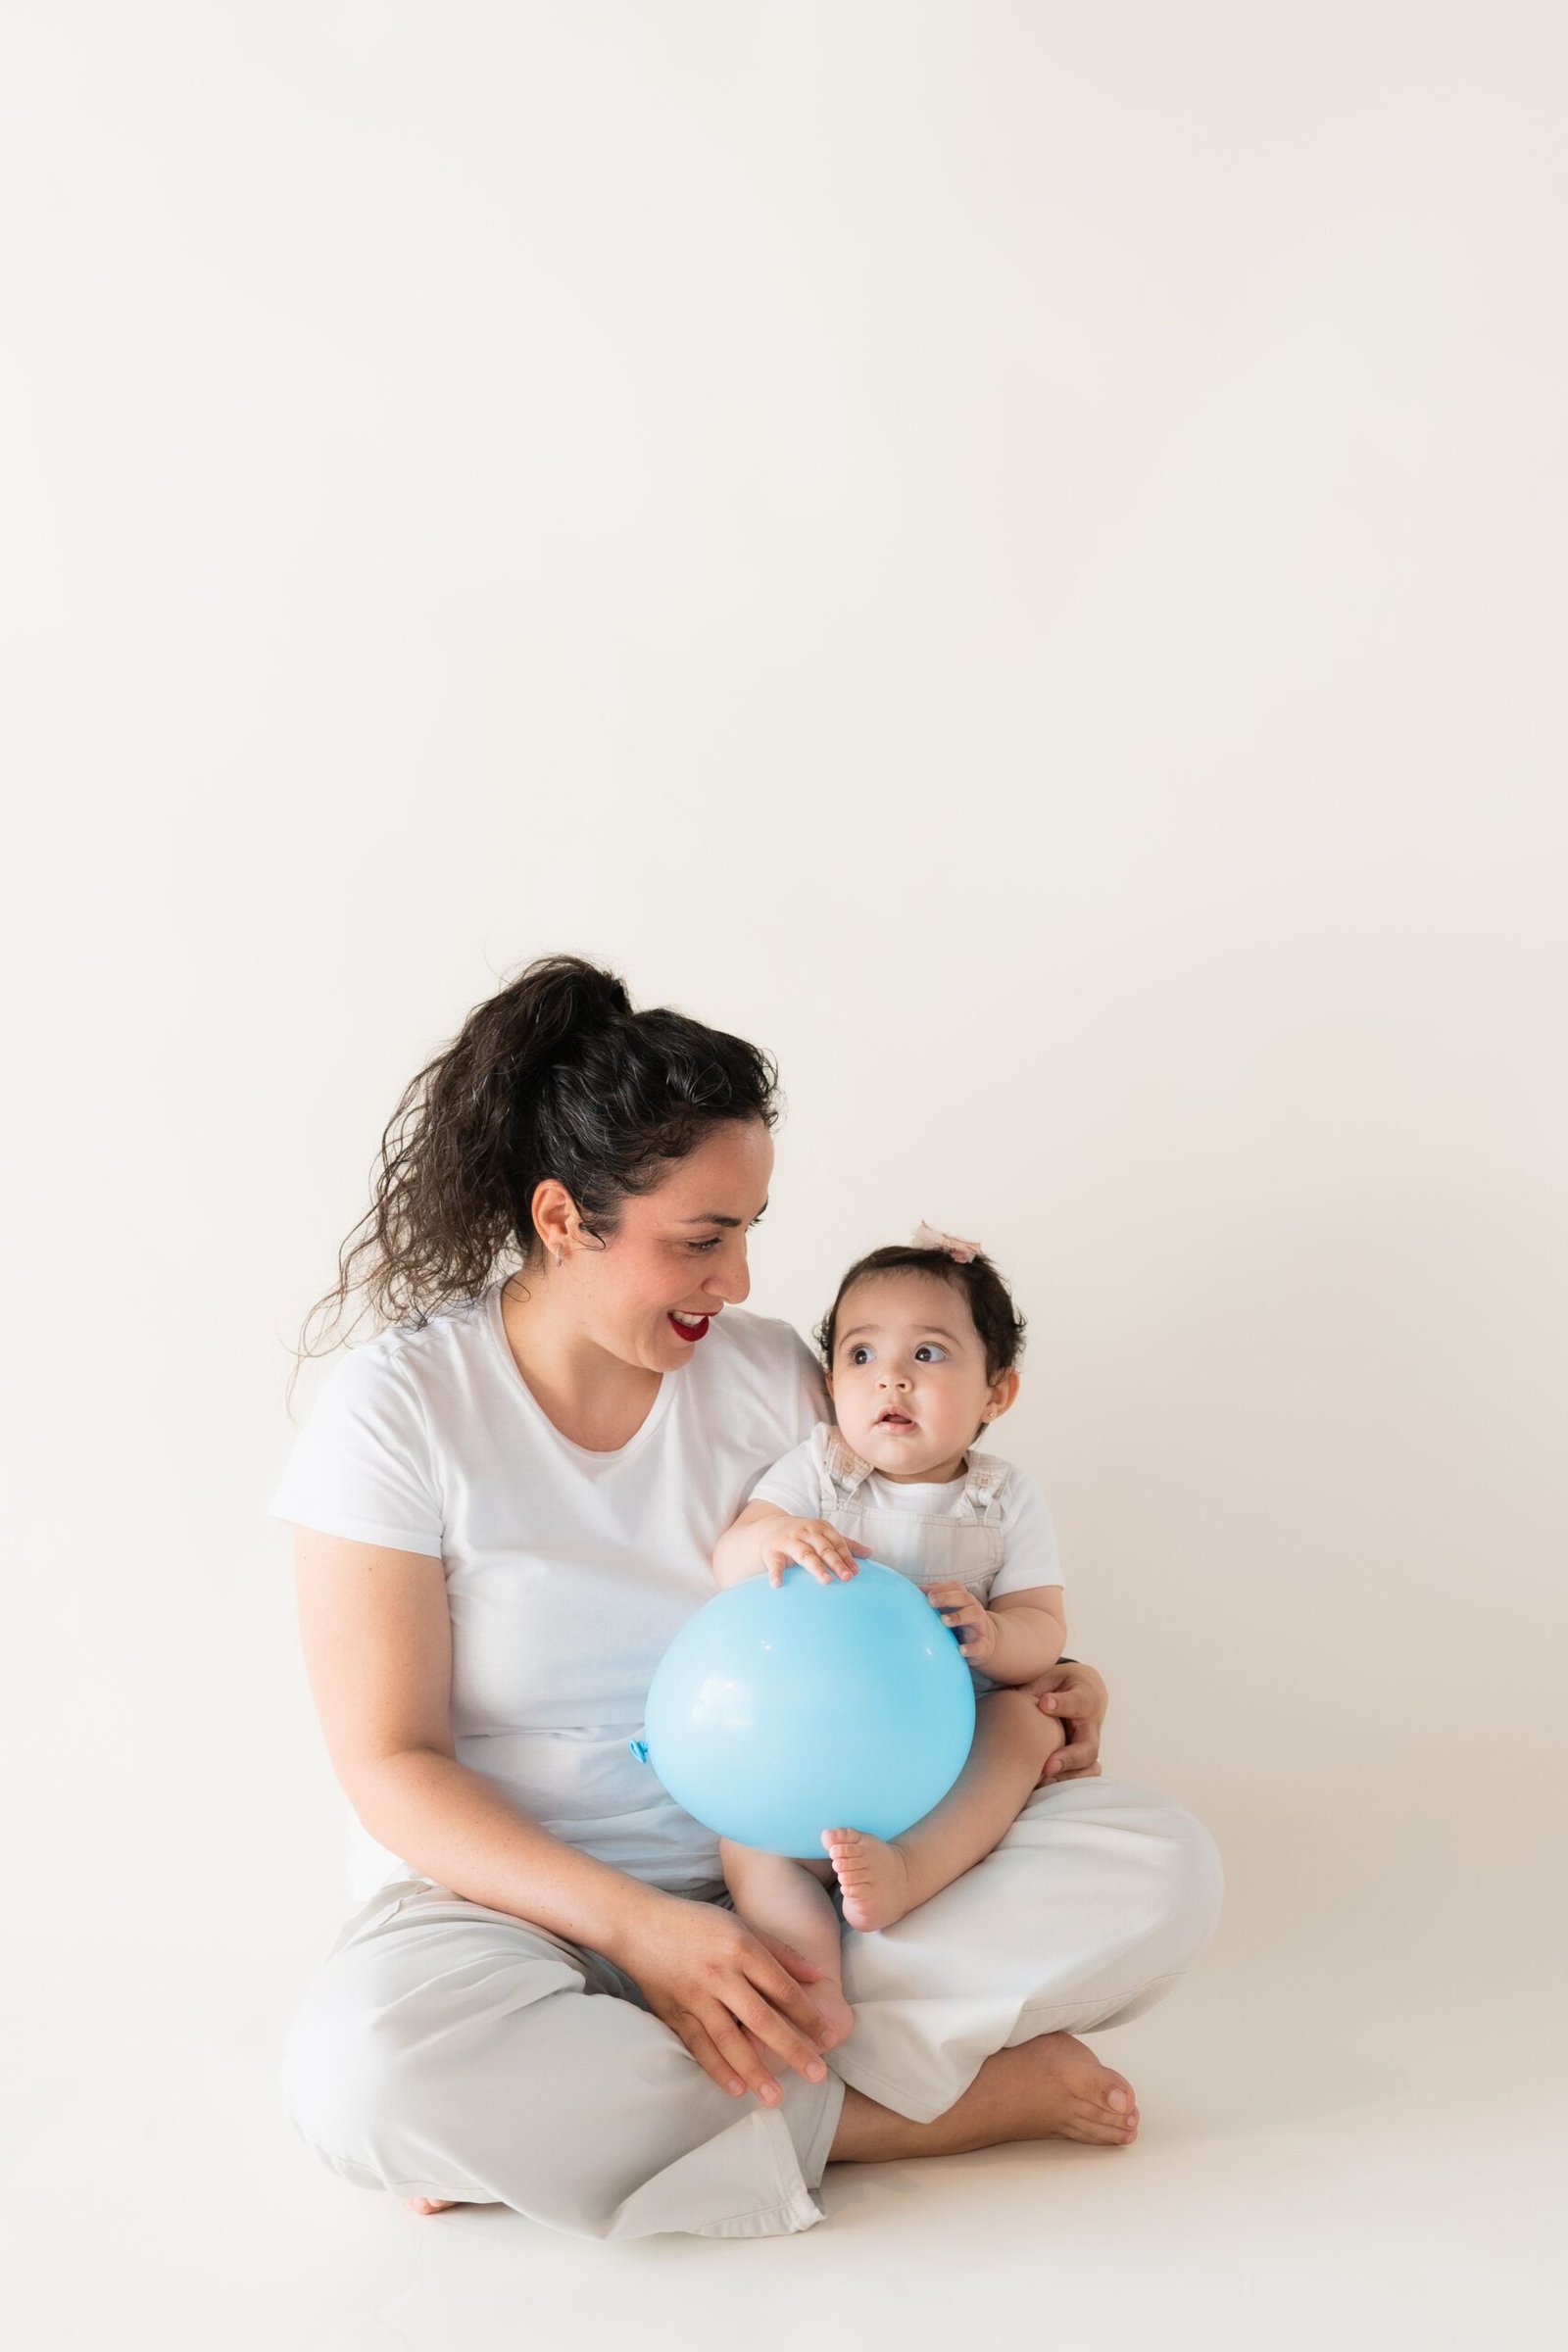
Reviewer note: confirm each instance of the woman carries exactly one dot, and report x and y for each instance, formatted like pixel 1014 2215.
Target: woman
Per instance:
pixel 505 1507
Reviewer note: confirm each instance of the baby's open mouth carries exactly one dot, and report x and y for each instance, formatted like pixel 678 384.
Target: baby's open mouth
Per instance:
pixel 893 1421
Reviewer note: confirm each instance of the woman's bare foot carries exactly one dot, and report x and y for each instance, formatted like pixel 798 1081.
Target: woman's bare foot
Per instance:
pixel 1052 2087
pixel 1079 2098
pixel 873 1877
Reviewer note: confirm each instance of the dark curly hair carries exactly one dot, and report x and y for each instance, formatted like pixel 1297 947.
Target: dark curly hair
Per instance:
pixel 553 1076
pixel 997 1321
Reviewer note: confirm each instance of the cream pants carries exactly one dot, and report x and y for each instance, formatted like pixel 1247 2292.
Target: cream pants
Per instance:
pixel 447 2050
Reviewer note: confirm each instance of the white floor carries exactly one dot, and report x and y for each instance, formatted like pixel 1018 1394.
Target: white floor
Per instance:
pixel 1368 2153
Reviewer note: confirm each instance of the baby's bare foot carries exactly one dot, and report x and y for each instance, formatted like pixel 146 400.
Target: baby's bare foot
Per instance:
pixel 838 2020
pixel 431 2204
pixel 837 2017
pixel 873 1877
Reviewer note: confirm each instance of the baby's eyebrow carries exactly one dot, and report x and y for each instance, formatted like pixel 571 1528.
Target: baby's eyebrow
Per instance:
pixel 930 1331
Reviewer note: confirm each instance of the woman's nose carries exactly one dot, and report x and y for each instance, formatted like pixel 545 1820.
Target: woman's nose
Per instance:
pixel 733 1284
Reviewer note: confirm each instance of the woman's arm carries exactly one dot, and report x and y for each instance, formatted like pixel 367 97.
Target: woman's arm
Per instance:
pixel 378 1640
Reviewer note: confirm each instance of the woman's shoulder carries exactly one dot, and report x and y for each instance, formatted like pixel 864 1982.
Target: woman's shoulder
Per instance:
pixel 760 1350
pixel 761 1339
pixel 756 1372
pixel 409 1355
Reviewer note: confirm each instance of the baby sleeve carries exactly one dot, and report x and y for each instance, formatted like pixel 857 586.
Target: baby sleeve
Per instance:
pixel 1029 1551
pixel 362 1465
pixel 790 1484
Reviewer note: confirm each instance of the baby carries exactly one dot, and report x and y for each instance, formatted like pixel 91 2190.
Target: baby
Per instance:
pixel 920 1346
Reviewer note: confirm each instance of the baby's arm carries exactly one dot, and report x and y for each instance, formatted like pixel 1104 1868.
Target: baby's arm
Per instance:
pixel 765 1538
pixel 1031 1633
pixel 1015 1639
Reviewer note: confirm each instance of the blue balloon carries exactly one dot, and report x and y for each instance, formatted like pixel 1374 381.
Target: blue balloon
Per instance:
pixel 781 1711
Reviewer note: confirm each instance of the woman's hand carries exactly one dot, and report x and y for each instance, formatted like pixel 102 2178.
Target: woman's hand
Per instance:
pixel 1075 1694
pixel 815 1544
pixel 715 1982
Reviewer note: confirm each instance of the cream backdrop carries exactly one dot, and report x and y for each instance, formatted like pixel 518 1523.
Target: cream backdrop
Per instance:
pixel 1013 555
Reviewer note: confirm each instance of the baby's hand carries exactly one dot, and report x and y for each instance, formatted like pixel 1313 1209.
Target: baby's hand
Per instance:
pixel 967 1617
pixel 815 1545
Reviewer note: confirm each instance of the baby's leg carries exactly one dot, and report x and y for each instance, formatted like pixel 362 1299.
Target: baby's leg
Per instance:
pixel 883 1879
pixel 777 1895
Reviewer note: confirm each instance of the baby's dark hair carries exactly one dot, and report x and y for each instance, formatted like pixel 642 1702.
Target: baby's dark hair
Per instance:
pixel 553 1076
pixel 997 1320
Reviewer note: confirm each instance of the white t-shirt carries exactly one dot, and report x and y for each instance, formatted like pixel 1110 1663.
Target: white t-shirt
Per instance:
pixel 1029 1555
pixel 568 1573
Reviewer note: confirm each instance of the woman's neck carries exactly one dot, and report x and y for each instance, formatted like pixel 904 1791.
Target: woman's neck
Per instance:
pixel 593 1397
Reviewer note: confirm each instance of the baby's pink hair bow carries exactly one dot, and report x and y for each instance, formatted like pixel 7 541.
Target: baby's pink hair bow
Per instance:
pixel 926 1236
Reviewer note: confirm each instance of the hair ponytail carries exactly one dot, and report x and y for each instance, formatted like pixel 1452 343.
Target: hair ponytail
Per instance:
pixel 553 1076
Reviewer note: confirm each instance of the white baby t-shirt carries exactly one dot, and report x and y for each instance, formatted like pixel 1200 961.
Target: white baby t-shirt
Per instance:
pixel 1029 1554
pixel 568 1571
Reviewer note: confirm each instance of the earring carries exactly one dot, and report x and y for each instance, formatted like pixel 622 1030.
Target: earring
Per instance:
pixel 558 1257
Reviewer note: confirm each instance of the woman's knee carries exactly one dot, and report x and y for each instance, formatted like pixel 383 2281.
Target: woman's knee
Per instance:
pixel 342 2075
pixel 1194 1882
pixel 386 2061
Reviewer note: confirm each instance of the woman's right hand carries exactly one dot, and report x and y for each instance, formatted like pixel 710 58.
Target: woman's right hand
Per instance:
pixel 715 1982
pixel 815 1545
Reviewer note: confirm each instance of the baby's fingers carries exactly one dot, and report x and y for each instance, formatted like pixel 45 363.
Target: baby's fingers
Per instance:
pixel 831 1550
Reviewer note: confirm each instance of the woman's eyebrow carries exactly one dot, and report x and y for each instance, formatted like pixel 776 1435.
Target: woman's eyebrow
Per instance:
pixel 711 1216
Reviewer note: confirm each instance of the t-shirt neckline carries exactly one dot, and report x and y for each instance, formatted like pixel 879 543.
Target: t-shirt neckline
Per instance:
pixel 584 1453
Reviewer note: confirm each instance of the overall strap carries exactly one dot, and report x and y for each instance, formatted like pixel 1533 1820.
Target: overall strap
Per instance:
pixel 841 1471
pixel 985 1486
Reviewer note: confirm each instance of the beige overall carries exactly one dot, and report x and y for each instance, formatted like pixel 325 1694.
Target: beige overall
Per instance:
pixel 965 1548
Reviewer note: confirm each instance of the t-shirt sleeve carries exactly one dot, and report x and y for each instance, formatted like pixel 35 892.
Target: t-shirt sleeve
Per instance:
pixel 790 1484
pixel 361 1466
pixel 1029 1555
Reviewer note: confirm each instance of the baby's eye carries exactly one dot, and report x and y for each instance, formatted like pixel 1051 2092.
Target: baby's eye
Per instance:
pixel 930 1347
pixel 856 1353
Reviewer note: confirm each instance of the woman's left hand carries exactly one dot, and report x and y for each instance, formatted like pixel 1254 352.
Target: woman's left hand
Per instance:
pixel 1075 1694
pixel 967 1617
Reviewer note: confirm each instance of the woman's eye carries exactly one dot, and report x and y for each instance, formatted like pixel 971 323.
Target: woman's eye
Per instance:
pixel 713 1242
